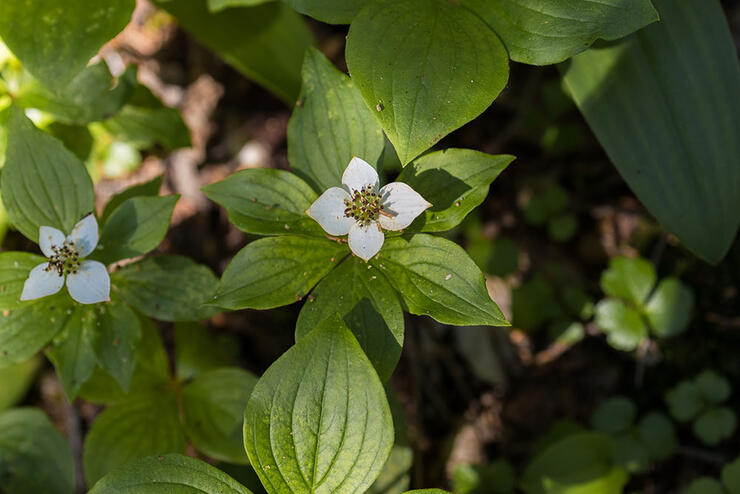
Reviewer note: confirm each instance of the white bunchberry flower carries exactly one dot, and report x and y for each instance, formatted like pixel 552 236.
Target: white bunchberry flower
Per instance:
pixel 359 209
pixel 88 282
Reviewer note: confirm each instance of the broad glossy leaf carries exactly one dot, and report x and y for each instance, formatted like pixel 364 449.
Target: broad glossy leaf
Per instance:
pixel 24 331
pixel 145 189
pixel 580 463
pixel 265 42
pixel 715 425
pixel 135 228
pixel 169 288
pixel 425 67
pixel 435 277
pixel 14 270
pixel 318 419
pixel 370 309
pixel 330 125
pixel 669 308
pixel 455 181
pixel 624 327
pixel 34 457
pixel 329 11
pixel 630 279
pixel 266 202
pixel 55 40
pixel 17 380
pixel 673 138
pixel 43 184
pixel 213 406
pixel 168 474
pixel 276 271
pixel 143 426
pixel 91 96
pixel 543 32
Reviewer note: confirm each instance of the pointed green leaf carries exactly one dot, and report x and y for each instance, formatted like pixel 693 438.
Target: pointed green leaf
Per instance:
pixel 455 181
pixel 330 125
pixel 370 309
pixel 168 288
pixel 135 228
pixel 265 42
pixel 669 308
pixel 55 40
pixel 329 11
pixel 624 327
pixel 198 350
pixel 318 418
pixel 276 271
pixel 150 188
pixel 266 202
pixel 435 277
pixel 167 474
pixel 123 432
pixel 673 138
pixel 630 279
pixel 34 457
pixel 543 32
pixel 425 68
pixel 213 406
pixel 43 184
pixel 17 379
pixel 117 334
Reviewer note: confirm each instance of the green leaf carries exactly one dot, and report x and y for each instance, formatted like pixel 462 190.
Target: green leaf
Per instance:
pixel 631 454
pixel 117 334
pixel 329 11
pixel 395 476
pixel 715 425
pixel 150 188
pixel 562 228
pixel 213 405
pixel 684 172
pixel 265 42
pixel 580 463
pixel 198 350
pixel 369 307
pixel 425 67
pixel 704 485
pixel 92 95
pixel 731 477
pixel 135 228
pixel 435 277
pixel 427 491
pixel 615 415
pixel 218 5
pixel 54 40
pixel 34 457
pixel 43 184
pixel 543 32
pixel 630 279
pixel 545 204
pixel 657 433
pixel 669 308
pixel 341 432
pixel 330 125
pixel 497 477
pixel 455 181
pixel 123 432
pixel 685 401
pixel 266 202
pixel 14 270
pixel 714 387
pixel 24 331
pixel 171 473
pixel 623 326
pixel 276 271
pixel 17 379
pixel 168 288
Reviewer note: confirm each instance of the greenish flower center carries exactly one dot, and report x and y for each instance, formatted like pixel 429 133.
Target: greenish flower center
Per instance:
pixel 364 206
pixel 65 260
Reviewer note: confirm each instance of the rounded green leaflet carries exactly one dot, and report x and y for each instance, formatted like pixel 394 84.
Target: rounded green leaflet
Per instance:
pixel 714 387
pixel 657 433
pixel 615 415
pixel 685 401
pixel 37 455
pixel 168 474
pixel 731 476
pixel 425 68
pixel 715 425
pixel 669 308
pixel 318 420
pixel 704 485
pixel 629 279
pixel 624 327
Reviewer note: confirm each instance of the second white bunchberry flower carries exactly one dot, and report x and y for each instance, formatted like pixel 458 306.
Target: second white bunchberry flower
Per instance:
pixel 361 210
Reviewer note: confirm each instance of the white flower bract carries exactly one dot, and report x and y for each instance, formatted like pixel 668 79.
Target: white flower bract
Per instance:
pixel 360 210
pixel 88 282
